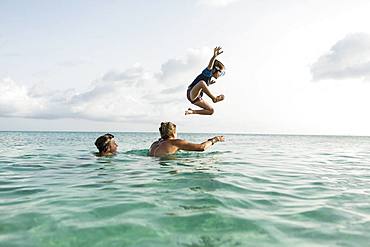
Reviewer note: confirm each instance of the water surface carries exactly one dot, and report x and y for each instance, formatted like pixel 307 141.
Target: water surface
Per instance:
pixel 252 190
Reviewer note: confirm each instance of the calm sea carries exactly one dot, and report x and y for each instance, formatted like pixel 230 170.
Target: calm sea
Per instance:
pixel 252 190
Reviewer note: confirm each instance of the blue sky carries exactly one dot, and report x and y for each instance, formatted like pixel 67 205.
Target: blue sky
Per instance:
pixel 293 67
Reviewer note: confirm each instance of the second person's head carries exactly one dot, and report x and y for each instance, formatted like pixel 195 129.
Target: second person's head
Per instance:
pixel 167 130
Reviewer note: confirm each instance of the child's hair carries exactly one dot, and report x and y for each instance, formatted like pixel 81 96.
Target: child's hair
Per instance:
pixel 167 129
pixel 102 142
pixel 218 64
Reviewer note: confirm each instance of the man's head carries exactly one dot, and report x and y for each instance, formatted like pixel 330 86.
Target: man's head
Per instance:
pixel 218 69
pixel 106 144
pixel 167 130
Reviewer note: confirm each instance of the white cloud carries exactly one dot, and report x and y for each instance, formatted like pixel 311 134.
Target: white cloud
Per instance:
pixel 120 96
pixel 216 3
pixel 348 58
pixel 35 102
pixel 130 75
pixel 16 100
pixel 182 67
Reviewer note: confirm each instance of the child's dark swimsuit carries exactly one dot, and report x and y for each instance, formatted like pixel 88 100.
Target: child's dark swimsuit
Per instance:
pixel 205 76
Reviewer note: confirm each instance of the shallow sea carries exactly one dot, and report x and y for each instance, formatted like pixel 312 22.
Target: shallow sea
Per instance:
pixel 251 190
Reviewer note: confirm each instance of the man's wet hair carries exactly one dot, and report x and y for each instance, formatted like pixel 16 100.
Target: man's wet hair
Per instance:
pixel 167 129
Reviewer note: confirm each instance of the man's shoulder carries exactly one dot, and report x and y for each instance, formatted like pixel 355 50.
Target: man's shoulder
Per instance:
pixel 176 141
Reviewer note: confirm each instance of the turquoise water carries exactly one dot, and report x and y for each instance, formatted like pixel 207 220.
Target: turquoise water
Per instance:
pixel 252 190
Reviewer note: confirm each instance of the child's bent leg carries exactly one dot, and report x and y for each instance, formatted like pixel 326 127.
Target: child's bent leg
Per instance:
pixel 201 85
pixel 206 108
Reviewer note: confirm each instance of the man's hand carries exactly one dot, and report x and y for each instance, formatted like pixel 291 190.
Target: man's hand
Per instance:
pixel 219 138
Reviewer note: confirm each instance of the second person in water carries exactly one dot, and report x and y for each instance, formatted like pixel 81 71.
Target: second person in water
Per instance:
pixel 201 83
pixel 169 144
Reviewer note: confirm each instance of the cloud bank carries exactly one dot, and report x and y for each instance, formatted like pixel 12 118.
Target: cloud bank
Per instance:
pixel 120 96
pixel 348 58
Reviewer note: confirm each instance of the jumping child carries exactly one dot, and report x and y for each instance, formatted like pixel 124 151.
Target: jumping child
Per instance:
pixel 201 83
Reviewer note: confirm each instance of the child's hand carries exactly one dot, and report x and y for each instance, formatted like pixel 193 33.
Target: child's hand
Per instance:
pixel 219 98
pixel 217 51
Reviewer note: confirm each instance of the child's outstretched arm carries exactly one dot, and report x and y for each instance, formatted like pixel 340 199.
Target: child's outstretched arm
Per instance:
pixel 216 51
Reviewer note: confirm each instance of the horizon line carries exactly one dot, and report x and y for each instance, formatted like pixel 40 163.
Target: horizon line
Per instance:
pixel 219 133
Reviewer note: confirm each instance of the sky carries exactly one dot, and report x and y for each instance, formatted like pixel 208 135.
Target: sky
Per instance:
pixel 292 67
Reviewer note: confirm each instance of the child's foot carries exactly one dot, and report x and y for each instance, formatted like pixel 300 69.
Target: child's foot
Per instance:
pixel 219 98
pixel 189 111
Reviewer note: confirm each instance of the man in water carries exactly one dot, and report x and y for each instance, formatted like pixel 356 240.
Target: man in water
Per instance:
pixel 106 145
pixel 169 144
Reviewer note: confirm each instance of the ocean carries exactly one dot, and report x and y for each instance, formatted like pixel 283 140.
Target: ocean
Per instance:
pixel 251 190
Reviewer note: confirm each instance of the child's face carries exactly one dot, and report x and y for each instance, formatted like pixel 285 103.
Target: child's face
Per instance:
pixel 218 73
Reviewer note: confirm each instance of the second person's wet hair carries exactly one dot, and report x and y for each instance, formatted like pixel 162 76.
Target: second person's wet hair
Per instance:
pixel 167 129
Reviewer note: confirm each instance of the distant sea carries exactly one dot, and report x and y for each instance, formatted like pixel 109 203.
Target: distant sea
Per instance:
pixel 251 190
